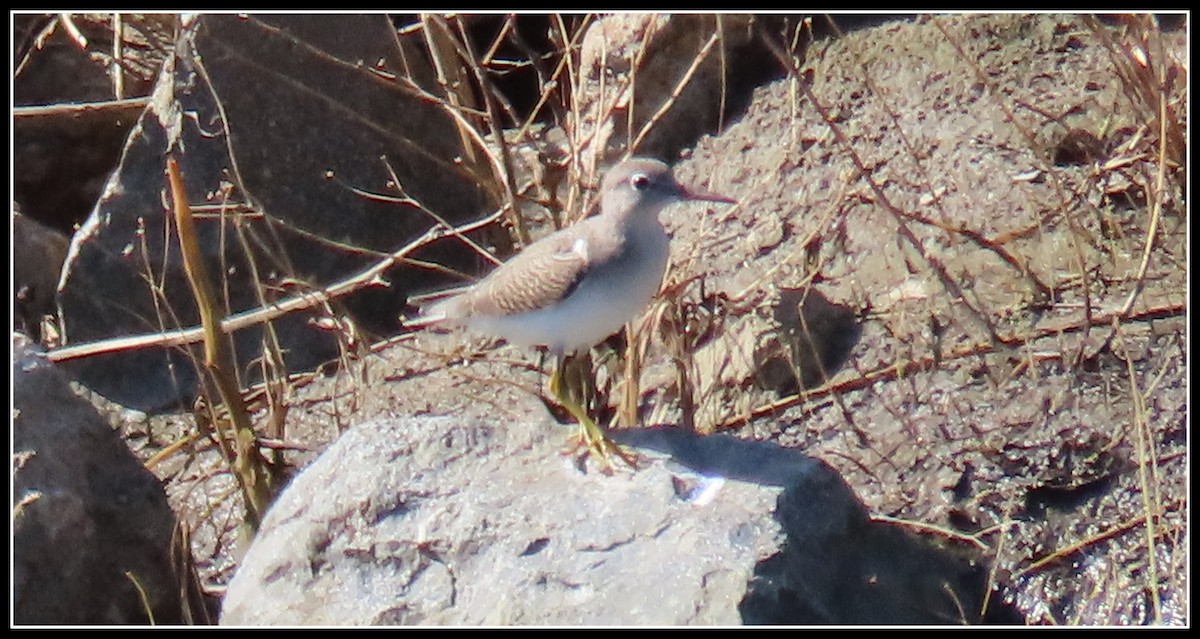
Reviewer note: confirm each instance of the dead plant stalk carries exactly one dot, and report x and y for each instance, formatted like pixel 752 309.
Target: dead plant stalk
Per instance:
pixel 218 358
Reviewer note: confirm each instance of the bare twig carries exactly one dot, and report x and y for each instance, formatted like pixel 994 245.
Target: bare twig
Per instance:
pixel 551 85
pixel 73 31
pixel 1148 479
pixel 931 362
pixel 1081 545
pixel 371 276
pixel 440 43
pixel 934 263
pixel 75 109
pixel 701 56
pixel 118 70
pixel 493 120
pixel 142 596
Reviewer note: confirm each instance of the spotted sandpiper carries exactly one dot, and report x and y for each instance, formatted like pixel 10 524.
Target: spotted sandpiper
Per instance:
pixel 573 288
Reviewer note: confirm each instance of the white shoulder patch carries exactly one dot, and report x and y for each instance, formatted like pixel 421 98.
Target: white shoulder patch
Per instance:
pixel 580 248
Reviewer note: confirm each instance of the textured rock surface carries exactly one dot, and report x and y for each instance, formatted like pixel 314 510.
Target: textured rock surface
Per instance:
pixel 88 519
pixel 430 521
pixel 438 521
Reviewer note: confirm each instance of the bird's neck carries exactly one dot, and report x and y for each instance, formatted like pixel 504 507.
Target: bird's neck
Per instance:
pixel 637 223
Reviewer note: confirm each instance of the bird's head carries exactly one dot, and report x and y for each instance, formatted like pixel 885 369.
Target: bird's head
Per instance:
pixel 644 185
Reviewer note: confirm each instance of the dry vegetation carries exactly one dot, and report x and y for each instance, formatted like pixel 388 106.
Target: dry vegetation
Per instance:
pixel 1030 312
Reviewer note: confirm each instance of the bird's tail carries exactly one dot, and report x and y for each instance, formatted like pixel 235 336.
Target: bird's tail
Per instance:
pixel 433 310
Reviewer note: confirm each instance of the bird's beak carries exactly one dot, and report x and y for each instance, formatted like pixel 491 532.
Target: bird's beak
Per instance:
pixel 705 196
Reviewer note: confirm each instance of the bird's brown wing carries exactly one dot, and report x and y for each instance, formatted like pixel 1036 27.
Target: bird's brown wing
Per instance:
pixel 543 274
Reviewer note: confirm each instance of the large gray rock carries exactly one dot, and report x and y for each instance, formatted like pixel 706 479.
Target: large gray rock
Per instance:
pixel 88 519
pixel 437 520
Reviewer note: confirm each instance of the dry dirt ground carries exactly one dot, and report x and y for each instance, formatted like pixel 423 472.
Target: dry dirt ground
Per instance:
pixel 982 192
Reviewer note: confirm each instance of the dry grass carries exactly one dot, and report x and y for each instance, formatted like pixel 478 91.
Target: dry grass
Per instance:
pixel 508 149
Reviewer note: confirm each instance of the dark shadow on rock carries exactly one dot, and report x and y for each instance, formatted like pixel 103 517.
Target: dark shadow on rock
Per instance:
pixel 1065 498
pixel 64 155
pixel 836 565
pixel 819 334
pixel 68 126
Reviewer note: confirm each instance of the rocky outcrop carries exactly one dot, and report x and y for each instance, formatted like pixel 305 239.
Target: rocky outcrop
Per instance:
pixel 92 531
pixel 440 521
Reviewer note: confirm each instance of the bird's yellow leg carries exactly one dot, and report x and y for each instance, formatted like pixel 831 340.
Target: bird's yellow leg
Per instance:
pixel 569 384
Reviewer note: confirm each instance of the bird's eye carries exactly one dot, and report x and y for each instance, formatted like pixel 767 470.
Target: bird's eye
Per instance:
pixel 639 181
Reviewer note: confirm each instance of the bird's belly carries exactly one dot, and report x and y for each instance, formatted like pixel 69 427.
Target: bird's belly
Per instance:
pixel 598 308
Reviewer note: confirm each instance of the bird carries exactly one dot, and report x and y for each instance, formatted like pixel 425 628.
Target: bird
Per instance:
pixel 575 287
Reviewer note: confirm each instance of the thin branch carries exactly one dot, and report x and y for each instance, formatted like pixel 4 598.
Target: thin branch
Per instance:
pixel 371 276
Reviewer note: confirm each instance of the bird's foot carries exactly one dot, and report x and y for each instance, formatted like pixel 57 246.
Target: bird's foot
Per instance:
pixel 594 441
pixel 567 391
